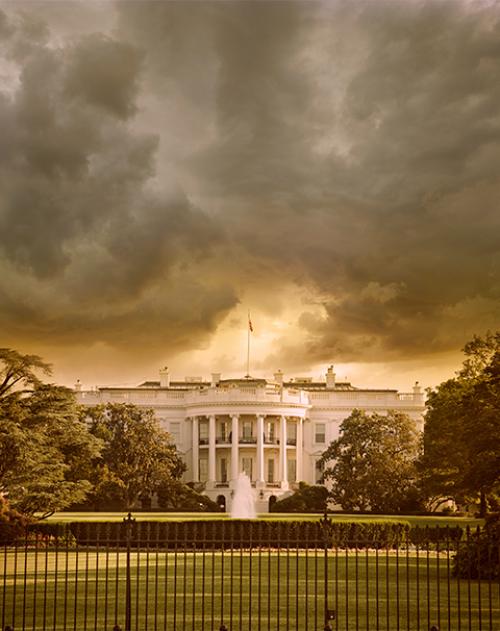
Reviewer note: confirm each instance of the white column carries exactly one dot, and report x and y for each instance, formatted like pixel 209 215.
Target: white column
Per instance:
pixel 283 462
pixel 299 448
pixel 211 450
pixel 235 469
pixel 260 450
pixel 195 450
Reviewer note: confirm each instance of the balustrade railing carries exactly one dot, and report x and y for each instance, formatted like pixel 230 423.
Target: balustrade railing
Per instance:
pixel 271 440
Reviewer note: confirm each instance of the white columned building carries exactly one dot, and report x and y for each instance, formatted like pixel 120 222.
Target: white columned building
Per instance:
pixel 274 430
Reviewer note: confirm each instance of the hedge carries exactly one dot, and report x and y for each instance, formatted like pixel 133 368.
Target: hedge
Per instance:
pixel 221 534
pixel 437 536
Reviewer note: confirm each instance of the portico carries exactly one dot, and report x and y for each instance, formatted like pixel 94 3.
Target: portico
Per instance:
pixel 249 428
pixel 262 445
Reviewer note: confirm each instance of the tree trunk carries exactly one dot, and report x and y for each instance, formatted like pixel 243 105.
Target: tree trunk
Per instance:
pixel 482 504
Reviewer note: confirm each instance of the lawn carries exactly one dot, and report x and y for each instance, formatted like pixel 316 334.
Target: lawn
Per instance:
pixel 268 589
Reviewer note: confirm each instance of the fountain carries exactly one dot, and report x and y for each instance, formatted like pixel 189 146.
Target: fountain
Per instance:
pixel 243 504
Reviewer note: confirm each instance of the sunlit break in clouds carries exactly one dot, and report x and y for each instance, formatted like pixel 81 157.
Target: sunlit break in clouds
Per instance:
pixel 167 166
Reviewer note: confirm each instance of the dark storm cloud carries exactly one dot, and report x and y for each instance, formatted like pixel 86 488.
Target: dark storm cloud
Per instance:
pixel 363 141
pixel 105 73
pixel 88 246
pixel 351 148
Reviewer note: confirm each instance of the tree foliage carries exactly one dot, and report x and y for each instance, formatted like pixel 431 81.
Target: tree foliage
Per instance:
pixel 461 457
pixel 19 371
pixel 43 443
pixel 371 466
pixel 137 457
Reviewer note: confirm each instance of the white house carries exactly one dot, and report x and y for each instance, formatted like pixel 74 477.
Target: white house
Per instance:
pixel 274 430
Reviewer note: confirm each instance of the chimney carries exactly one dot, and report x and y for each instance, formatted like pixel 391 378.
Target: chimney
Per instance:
pixel 278 377
pixel 78 386
pixel 215 378
pixel 417 391
pixel 330 378
pixel 164 378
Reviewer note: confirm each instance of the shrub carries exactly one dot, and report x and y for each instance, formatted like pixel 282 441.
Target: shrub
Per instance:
pixel 12 523
pixel 175 496
pixel 307 499
pixel 478 557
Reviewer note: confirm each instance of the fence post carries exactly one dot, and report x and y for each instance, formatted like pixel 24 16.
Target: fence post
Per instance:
pixel 329 614
pixel 128 521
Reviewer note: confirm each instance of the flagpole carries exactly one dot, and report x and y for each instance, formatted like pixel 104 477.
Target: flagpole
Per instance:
pixel 248 346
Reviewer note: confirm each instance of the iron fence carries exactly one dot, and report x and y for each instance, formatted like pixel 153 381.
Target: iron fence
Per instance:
pixel 224 575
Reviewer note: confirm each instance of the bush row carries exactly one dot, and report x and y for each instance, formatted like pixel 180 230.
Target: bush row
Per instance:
pixel 221 534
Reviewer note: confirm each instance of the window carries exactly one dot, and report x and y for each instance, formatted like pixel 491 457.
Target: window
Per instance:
pixel 292 470
pixel 203 463
pixel 175 432
pixel 319 433
pixel 224 431
pixel 318 471
pixel 223 469
pixel 203 432
pixel 291 434
pixel 270 470
pixel 247 466
pixel 247 429
pixel 271 432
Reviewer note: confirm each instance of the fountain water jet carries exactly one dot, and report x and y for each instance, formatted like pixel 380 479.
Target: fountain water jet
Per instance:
pixel 243 504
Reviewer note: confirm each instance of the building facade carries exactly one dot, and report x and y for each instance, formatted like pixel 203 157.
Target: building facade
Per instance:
pixel 273 430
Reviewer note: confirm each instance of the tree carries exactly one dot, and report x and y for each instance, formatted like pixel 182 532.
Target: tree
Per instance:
pixel 137 458
pixel 461 456
pixel 19 371
pixel 371 466
pixel 43 443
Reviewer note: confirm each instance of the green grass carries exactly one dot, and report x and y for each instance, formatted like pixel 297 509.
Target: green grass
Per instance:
pixel 414 520
pixel 85 589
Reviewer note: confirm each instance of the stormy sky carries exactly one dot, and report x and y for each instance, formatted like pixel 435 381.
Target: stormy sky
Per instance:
pixel 333 167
